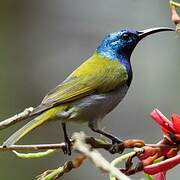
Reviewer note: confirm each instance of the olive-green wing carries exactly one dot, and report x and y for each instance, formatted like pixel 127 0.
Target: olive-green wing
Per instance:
pixel 71 89
pixel 95 75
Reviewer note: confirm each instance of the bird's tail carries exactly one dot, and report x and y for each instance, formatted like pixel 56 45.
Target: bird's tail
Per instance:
pixel 41 119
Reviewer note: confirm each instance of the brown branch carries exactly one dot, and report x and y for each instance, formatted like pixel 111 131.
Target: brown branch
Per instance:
pixel 67 167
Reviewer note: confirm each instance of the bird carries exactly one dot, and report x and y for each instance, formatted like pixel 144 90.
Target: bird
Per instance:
pixel 92 90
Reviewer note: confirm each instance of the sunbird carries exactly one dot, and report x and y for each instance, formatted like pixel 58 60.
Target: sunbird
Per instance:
pixel 91 91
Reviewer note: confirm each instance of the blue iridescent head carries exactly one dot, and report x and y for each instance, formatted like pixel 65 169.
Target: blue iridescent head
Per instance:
pixel 119 45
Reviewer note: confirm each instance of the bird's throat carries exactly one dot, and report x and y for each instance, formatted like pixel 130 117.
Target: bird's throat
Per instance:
pixel 121 58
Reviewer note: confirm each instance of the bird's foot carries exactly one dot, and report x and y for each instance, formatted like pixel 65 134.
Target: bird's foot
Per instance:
pixel 117 146
pixel 139 167
pixel 67 148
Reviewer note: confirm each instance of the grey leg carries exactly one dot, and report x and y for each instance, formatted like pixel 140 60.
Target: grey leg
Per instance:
pixel 93 125
pixel 67 149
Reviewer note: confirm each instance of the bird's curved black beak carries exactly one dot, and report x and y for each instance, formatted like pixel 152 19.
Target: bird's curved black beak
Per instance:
pixel 147 32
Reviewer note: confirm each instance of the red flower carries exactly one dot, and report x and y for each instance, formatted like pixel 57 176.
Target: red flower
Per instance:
pixel 171 129
pixel 157 159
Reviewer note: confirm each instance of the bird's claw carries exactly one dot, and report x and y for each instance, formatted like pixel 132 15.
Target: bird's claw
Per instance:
pixel 129 170
pixel 67 148
pixel 117 147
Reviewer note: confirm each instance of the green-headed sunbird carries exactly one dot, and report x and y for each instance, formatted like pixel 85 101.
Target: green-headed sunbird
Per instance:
pixel 94 89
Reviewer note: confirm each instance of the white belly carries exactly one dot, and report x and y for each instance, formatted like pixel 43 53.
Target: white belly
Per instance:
pixel 96 106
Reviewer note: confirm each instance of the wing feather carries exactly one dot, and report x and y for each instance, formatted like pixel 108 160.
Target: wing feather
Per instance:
pixel 97 74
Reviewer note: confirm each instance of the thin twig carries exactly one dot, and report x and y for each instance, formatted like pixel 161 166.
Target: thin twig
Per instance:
pixel 33 147
pixel 95 143
pixel 16 118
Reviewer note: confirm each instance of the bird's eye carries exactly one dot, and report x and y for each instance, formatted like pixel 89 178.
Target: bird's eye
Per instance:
pixel 125 37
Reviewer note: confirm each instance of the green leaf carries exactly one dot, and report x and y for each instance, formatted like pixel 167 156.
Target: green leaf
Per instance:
pixel 34 155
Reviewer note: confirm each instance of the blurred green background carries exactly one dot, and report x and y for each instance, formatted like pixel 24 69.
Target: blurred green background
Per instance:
pixel 42 41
